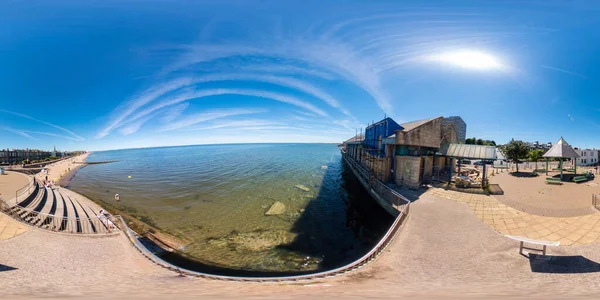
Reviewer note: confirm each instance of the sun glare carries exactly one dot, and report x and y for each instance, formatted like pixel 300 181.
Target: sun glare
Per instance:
pixel 470 60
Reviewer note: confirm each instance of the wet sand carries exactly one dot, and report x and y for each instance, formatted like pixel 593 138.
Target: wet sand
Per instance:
pixel 533 195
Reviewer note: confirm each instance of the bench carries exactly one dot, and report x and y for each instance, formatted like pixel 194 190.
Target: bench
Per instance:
pixel 532 241
pixel 553 180
pixel 579 179
pixel 570 170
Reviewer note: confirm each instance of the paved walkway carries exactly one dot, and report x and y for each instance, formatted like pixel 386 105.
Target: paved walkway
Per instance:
pixel 10 228
pixel 507 220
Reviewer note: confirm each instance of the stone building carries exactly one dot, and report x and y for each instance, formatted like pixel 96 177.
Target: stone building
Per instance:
pixel 411 155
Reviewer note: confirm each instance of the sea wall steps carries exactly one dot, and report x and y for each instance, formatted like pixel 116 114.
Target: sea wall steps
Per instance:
pixel 58 210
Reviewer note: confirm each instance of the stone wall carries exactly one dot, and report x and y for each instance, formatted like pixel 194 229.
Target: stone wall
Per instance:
pixel 427 135
pixel 408 171
pixel 427 169
pixel 380 166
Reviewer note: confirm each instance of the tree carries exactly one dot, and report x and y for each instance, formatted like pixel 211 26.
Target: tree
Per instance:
pixel 516 150
pixel 536 155
pixel 470 141
pixel 480 142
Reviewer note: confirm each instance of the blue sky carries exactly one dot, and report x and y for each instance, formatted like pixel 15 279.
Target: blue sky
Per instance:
pixel 120 74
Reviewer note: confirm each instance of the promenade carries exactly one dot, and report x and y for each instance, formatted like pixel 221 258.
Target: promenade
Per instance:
pixel 444 250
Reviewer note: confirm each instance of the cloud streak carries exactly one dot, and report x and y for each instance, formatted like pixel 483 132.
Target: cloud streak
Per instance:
pixel 207 116
pixel 565 71
pixel 76 137
pixel 19 132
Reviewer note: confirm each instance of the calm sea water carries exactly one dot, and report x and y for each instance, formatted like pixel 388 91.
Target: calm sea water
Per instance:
pixel 216 196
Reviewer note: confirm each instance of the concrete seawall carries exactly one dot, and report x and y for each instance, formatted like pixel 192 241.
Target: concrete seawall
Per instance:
pixel 382 202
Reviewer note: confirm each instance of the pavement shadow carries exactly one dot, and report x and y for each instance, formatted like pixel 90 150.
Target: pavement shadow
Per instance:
pixel 361 222
pixel 4 268
pixel 562 264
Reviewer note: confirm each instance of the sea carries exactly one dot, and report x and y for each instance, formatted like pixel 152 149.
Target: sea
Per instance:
pixel 215 198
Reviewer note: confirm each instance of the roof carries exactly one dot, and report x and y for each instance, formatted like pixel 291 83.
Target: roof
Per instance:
pixel 356 139
pixel 472 151
pixel 414 124
pixel 561 149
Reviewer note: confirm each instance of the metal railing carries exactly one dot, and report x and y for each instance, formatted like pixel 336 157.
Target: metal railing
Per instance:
pixel 370 256
pixel 401 204
pixel 57 223
pixel 391 196
pixel 75 225
pixel 25 190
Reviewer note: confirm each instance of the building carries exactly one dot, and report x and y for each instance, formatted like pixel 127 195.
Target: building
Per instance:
pixel 537 145
pixel 406 154
pixel 17 156
pixel 587 157
pixel 459 125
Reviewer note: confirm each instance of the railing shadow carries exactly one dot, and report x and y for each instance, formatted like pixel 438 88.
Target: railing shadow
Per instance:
pixel 364 223
pixel 4 268
pixel 576 264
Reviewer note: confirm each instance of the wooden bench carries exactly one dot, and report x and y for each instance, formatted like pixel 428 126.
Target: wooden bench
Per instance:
pixel 553 180
pixel 578 179
pixel 532 241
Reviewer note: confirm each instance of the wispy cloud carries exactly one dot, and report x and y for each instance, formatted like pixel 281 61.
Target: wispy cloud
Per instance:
pixel 133 127
pixel 293 83
pixel 125 110
pixel 76 137
pixel 306 114
pixel 241 124
pixel 207 116
pixel 52 134
pixel 571 117
pixel 174 112
pixel 229 91
pixel 19 132
pixel 565 71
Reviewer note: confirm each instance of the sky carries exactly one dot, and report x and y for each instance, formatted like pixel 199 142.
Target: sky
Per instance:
pixel 98 75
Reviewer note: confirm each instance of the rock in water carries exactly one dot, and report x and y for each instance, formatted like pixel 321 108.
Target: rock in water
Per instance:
pixel 323 167
pixel 301 187
pixel 277 208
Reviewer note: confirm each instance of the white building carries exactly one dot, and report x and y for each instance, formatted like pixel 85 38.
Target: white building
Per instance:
pixel 587 156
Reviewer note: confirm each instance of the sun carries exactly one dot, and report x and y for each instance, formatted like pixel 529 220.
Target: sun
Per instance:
pixel 469 60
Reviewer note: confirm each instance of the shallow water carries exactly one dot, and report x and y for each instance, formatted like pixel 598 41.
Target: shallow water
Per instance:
pixel 216 196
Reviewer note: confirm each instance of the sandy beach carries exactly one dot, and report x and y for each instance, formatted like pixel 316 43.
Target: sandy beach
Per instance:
pixel 62 169
pixel 535 196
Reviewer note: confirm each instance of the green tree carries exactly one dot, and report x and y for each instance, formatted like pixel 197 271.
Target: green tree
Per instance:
pixel 516 150
pixel 480 142
pixel 536 155
pixel 470 141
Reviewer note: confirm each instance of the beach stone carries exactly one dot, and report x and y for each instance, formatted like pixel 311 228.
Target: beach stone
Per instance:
pixel 302 187
pixel 254 241
pixel 277 208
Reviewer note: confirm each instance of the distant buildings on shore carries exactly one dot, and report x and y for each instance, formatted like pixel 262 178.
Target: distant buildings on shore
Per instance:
pixel 537 145
pixel 17 156
pixel 587 156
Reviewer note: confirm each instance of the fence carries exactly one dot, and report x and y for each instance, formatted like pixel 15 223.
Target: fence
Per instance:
pixel 596 201
pixel 388 194
pixel 401 204
pixel 26 190
pixel 77 225
pixel 370 256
